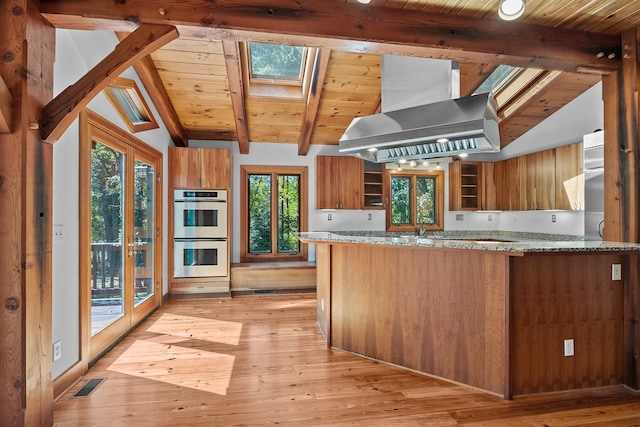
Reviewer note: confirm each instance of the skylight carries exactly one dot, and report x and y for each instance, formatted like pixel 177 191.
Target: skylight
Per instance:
pixel 278 62
pixel 276 71
pixel 498 78
pixel 130 105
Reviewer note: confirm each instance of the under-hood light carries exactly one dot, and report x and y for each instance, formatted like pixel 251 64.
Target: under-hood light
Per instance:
pixel 442 140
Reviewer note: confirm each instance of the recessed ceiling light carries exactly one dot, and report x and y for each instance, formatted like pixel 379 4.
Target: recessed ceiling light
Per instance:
pixel 511 9
pixel 425 163
pixel 402 161
pixel 413 163
pixel 463 155
pixel 364 1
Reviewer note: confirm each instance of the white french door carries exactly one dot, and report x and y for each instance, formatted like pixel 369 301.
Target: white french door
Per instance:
pixel 119 232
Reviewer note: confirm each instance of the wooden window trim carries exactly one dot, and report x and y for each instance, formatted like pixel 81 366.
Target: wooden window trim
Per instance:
pixel 138 99
pixel 409 228
pixel 245 171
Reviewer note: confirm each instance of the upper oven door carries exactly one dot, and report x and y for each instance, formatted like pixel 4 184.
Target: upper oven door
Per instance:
pixel 200 220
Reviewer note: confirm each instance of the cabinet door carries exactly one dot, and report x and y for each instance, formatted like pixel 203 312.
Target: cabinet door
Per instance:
pixel 506 177
pixel 350 174
pixel 339 181
pixel 184 167
pixel 569 177
pixel 540 180
pixel 215 165
pixel 325 196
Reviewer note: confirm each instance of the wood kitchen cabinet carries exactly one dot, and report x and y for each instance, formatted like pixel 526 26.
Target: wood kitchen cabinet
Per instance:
pixel 550 179
pixel 465 185
pixel 339 182
pixel 199 167
pixel 569 177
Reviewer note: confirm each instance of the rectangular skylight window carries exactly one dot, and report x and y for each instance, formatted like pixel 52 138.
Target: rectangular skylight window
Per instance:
pixel 499 77
pixel 276 62
pixel 126 98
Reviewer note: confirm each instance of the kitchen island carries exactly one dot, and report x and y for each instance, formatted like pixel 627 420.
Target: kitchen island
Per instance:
pixel 490 314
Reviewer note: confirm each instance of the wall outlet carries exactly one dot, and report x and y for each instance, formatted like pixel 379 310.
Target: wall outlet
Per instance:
pixel 553 218
pixel 515 218
pixel 490 218
pixel 568 347
pixel 369 217
pixel 58 233
pixel 459 217
pixel 616 271
pixel 329 216
pixel 57 350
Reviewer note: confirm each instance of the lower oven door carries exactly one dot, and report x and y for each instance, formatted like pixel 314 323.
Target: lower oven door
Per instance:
pixel 200 258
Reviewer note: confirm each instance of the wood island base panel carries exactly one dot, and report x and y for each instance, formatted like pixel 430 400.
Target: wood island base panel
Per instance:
pixel 510 322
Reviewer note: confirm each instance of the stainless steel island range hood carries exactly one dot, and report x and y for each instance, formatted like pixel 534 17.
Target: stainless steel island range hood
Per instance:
pixel 440 129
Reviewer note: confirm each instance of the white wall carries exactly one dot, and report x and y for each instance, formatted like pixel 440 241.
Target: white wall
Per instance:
pixel 76 53
pixel 287 155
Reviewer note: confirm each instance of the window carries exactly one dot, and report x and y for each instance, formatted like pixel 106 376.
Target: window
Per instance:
pixel 274 210
pixel 130 105
pixel 272 70
pixel 417 199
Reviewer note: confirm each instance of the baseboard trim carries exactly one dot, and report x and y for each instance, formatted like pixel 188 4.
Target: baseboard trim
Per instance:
pixel 67 379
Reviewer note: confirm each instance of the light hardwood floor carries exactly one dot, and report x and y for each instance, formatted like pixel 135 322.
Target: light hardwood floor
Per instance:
pixel 261 361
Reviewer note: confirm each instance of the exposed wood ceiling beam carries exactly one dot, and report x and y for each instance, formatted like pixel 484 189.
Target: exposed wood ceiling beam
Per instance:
pixel 58 114
pixel 347 26
pixel 6 104
pixel 320 66
pixel 236 90
pixel 472 75
pixel 152 82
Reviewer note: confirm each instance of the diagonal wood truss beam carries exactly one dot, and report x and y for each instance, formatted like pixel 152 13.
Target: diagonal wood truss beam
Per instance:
pixel 472 76
pixel 148 73
pixel 349 27
pixel 320 66
pixel 236 89
pixel 6 103
pixel 58 114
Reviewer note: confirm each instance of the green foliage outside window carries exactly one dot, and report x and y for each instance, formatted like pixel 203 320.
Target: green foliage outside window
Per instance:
pixel 403 200
pixel 288 213
pixel 425 200
pixel 270 61
pixel 261 215
pixel 400 200
pixel 107 180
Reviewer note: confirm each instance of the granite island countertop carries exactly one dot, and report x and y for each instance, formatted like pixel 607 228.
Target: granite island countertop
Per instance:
pixel 501 241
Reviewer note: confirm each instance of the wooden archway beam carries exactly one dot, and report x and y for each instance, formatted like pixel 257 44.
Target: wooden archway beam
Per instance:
pixel 236 90
pixel 320 66
pixel 58 114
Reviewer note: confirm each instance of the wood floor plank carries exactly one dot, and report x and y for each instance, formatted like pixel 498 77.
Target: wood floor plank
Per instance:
pixel 260 361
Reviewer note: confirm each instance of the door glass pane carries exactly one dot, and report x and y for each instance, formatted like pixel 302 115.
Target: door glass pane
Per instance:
pixel 288 213
pixel 425 200
pixel 400 200
pixel 259 213
pixel 143 223
pixel 107 236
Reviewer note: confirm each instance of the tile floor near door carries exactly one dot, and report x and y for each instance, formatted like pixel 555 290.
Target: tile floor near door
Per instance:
pixel 261 361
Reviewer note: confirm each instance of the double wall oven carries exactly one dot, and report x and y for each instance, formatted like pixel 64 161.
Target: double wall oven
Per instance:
pixel 200 233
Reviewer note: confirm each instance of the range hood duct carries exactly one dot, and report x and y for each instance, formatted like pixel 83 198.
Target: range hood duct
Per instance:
pixel 440 129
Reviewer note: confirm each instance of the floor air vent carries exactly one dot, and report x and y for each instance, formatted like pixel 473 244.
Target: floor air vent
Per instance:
pixel 264 292
pixel 89 387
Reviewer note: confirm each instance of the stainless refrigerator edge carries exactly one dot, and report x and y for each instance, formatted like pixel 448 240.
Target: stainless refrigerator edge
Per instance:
pixel 593 144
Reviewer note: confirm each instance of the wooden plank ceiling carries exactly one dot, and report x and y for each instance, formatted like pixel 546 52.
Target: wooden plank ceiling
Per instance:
pixel 203 79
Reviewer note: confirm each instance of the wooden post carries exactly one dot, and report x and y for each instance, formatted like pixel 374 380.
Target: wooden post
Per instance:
pixel 28 48
pixel 622 148
pixel 622 187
